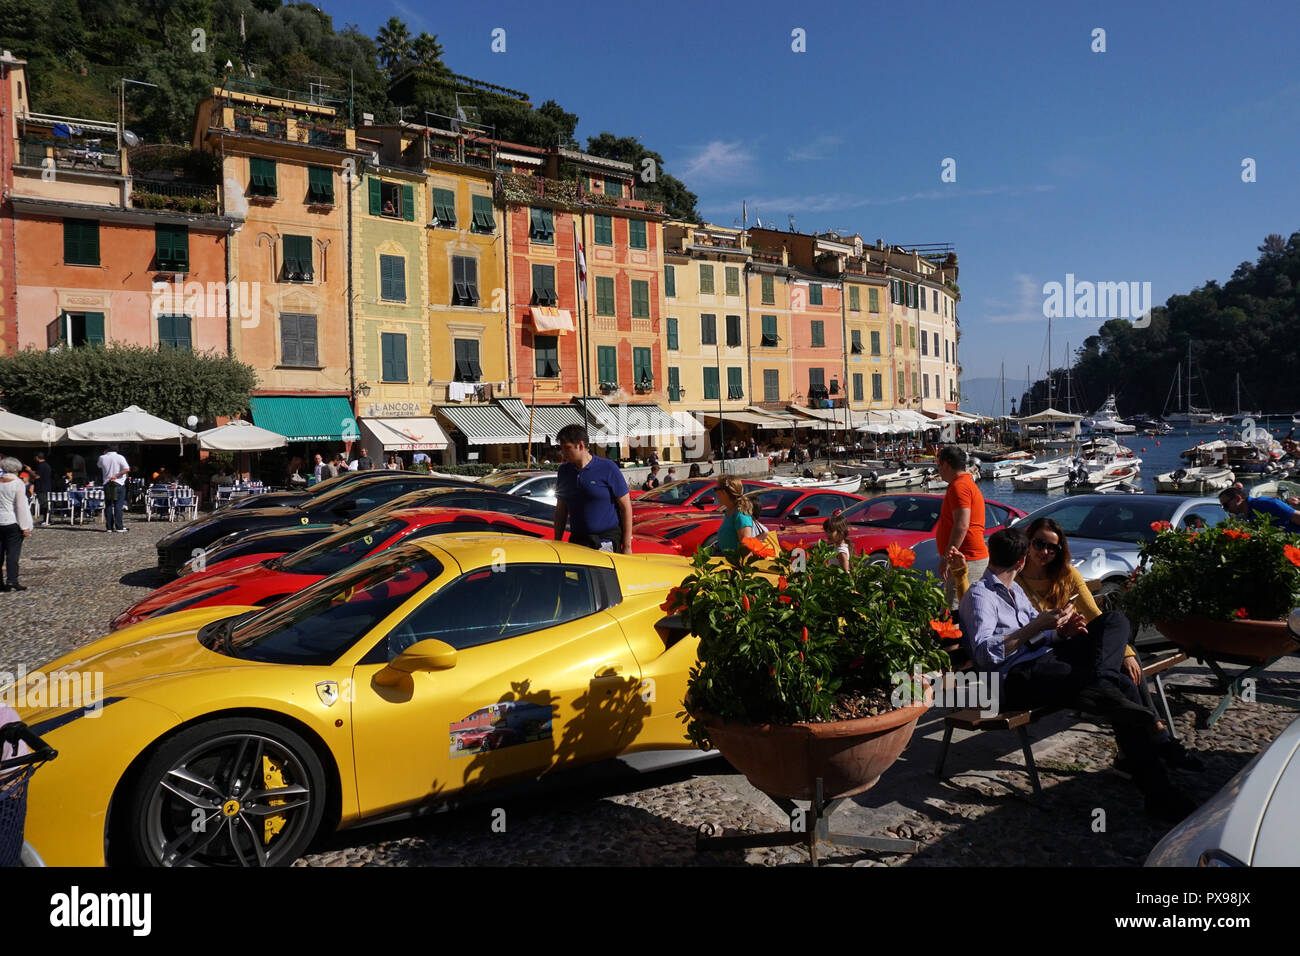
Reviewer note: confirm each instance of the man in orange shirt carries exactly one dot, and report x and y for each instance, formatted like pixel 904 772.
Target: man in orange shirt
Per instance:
pixel 961 520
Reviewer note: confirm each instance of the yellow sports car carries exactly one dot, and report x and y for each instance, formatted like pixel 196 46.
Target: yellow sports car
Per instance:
pixel 232 736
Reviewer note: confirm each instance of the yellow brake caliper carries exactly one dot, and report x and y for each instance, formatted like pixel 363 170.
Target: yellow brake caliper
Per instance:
pixel 272 778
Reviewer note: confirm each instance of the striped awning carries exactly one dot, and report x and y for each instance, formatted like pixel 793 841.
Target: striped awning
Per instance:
pixel 516 409
pixel 484 424
pixel 602 425
pixel 305 418
pixel 648 421
pixel 690 424
pixel 740 417
pixel 407 434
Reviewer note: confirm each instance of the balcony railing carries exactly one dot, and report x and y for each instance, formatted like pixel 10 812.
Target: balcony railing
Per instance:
pixel 181 197
pixel 525 189
pixel 79 156
pixel 766 255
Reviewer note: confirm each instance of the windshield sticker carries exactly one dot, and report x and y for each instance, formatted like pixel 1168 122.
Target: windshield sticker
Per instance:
pixel 497 726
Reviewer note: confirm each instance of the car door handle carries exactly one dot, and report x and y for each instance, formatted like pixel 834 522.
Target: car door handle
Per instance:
pixel 608 670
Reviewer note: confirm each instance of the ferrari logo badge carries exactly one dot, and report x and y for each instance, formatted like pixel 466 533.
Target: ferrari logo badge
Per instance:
pixel 328 692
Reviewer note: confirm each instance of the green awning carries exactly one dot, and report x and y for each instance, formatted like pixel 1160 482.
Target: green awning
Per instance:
pixel 306 419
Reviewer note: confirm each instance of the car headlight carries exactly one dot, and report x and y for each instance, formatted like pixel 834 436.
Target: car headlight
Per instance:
pixel 187 602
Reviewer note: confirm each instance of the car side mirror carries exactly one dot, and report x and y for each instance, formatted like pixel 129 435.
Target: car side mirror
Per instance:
pixel 429 654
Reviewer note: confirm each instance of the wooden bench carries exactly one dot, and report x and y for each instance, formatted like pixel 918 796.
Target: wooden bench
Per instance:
pixel 1019 720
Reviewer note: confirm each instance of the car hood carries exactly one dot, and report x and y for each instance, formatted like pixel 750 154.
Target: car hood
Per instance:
pixel 226 521
pixel 193 585
pixel 1120 556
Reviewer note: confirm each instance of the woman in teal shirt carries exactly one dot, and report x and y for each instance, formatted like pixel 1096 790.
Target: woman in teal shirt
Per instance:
pixel 737 523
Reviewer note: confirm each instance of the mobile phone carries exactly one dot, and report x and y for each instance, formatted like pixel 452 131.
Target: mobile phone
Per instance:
pixel 1038 640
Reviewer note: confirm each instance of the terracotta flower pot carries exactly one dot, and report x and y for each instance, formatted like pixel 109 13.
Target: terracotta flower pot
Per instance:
pixel 786 759
pixel 1255 640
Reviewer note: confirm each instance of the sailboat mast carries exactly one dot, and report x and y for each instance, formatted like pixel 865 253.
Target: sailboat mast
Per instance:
pixel 1189 379
pixel 1049 361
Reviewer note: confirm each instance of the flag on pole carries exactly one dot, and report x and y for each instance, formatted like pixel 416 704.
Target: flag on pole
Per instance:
pixel 582 265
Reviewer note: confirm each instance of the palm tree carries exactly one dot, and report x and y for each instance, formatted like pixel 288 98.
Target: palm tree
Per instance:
pixel 394 44
pixel 426 51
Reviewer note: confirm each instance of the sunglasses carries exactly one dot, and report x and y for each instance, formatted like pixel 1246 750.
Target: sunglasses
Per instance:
pixel 1046 546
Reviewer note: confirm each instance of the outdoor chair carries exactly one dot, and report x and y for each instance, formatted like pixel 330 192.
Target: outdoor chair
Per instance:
pixel 222 496
pixel 185 502
pixel 59 503
pixel 159 500
pixel 92 503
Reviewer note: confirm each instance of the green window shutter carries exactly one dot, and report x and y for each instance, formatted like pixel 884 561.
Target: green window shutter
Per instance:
pixel 814 293
pixel 733 280
pixel 733 331
pixel 386 353
pixel 642 369
pixel 735 387
pixel 816 378
pixel 711 383
pixel 769 331
pixel 607 364
pixel 162 237
pixel 856 340
pixel 771 385
pixel 376 195
pixel 174 331
pixel 674 384
pixel 544 285
pixel 614 187
pixel 911 335
pixel 818 334
pixel 399 356
pixel 484 220
pixel 875 343
pixel 672 335
pixel 547 356
pixel 543 226
pixel 262 176
pixel 873 300
pixel 916 390
pixel 855 298
pixel 636 236
pixel 94 328
pixel 307 340
pixel 166 327
pixel 900 385
pixel 877 387
pixel 393 356
pixel 670 282
pixel 181 248
pixel 769 289
pixel 320 184
pixel 640 299
pixel 81 242
pixel 408 208
pixel 444 207
pixel 604 230
pixel 706 279
pixel 708 330
pixel 392 278
pixel 604 295
pixel 857 386
pixel 289 350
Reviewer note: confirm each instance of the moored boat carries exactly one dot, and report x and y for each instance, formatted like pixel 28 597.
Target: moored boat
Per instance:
pixel 1201 480
pixel 851 485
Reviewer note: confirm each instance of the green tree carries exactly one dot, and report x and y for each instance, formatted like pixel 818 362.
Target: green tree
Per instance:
pixel 427 52
pixel 679 202
pixel 394 44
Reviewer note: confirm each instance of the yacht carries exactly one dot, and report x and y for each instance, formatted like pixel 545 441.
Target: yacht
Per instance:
pixel 1106 420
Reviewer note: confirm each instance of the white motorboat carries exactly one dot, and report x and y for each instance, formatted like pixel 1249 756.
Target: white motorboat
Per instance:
pixel 864 469
pixel 1044 476
pixel 938 484
pixel 1281 488
pixel 903 478
pixel 850 485
pixel 1003 469
pixel 1106 420
pixel 1203 480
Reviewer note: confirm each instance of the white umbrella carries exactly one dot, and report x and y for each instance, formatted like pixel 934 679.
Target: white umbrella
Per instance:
pixel 239 435
pixel 16 430
pixel 132 424
pixel 1049 415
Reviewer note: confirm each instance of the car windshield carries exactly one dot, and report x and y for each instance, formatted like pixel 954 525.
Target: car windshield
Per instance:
pixel 506 481
pixel 1125 519
pixel 673 494
pixel 773 502
pixel 342 549
pixel 897 512
pixel 319 623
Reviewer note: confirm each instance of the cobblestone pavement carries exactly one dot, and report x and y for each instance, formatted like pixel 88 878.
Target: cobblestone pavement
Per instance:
pixel 80 577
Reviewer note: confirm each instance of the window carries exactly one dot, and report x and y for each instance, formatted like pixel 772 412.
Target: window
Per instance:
pixel 465 352
pixel 735 388
pixel 393 351
pixel 856 346
pixel 911 335
pixel 708 330
pixel 604 231
pixel 733 280
pixel 174 332
pixel 771 385
pixel 875 343
pixel 674 384
pixel 816 381
pixel 464 280
pixel 546 350
pixel 936 344
pixel 397 201
pixel 926 382
pixel 172 246
pixel 898 335
pixel 80 242
pixel 544 285
pixel 814 293
pixel 670 282
pixel 484 218
pixel 76 328
pixel 769 289
pixel 613 187
pixel 916 390
pixel 857 386
pixel 607 366
pixel 297 259
pixel 835 386
pixel 877 387
pixel 444 207
pixel 261 180
pixel 640 299
pixel 542 226
pixel 298 340
pixel 711 383
pixel 604 295
pixel 642 371
pixel 320 185
pixel 901 385
pixel 818 333
pixel 636 234
pixel 855 299
pixel 392 278
pixel 770 337
pixel 733 331
pixel 935 300
pixel 672 335
pixel 936 386
pixel 873 300
pixel 925 341
pixel 952 391
pixel 706 279
pixel 911 295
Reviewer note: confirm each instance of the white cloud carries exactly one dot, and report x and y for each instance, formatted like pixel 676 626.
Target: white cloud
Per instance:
pixel 718 161
pixel 816 149
pixel 1026 304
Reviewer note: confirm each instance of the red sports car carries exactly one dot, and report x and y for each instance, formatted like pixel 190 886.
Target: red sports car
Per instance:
pixel 690 496
pixel 906 519
pixel 266 578
pixel 778 508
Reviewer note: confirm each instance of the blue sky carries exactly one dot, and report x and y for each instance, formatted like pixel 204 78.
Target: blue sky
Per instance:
pixel 1115 166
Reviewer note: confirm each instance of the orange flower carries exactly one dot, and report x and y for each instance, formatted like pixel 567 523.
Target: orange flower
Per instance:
pixel 758 547
pixel 1292 554
pixel 1160 526
pixel 1234 533
pixel 782 583
pixel 676 601
pixel 784 598
pixel 946 631
pixel 899 556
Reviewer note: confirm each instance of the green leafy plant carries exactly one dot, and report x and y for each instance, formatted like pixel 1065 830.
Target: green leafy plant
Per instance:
pixel 783 645
pixel 1237 570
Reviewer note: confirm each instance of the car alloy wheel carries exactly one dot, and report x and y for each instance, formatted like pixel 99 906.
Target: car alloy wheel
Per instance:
pixel 229 793
pixel 878 557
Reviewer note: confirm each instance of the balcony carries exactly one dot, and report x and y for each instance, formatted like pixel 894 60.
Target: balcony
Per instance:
pixel 89 155
pixel 566 192
pixel 768 255
pixel 175 196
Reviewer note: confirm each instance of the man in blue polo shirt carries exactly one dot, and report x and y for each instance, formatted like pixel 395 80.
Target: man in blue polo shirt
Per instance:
pixel 1282 515
pixel 591 496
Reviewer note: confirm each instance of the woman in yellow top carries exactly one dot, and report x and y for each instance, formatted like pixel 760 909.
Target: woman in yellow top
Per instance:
pixel 1050 580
